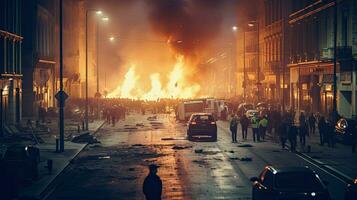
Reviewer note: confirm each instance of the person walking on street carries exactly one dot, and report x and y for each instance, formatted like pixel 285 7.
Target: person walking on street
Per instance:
pixel 302 133
pixel 263 124
pixel 255 128
pixel 244 122
pixel 292 133
pixel 302 118
pixel 330 134
pixel 322 130
pixel 152 186
pixel 283 133
pixel 233 127
pixel 312 124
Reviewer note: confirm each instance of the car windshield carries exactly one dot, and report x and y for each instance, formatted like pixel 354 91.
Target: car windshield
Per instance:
pixel 297 180
pixel 202 118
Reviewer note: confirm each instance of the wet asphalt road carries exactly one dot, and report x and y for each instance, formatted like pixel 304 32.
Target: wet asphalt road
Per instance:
pixel 116 168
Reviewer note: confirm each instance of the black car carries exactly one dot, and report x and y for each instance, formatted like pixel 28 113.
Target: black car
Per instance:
pixel 345 130
pixel 202 124
pixel 289 183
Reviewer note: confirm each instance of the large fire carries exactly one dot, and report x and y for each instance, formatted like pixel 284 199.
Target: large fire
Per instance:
pixel 176 86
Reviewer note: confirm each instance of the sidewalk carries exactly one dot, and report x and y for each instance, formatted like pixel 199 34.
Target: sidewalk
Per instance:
pixel 36 189
pixel 339 159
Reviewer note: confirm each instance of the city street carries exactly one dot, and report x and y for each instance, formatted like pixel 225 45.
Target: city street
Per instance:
pixel 116 168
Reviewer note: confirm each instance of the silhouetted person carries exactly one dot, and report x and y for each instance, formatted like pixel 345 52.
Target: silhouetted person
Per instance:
pixel 233 127
pixel 152 186
pixel 312 123
pixel 263 124
pixel 302 133
pixel 244 122
pixel 283 133
pixel 255 128
pixel 322 130
pixel 292 133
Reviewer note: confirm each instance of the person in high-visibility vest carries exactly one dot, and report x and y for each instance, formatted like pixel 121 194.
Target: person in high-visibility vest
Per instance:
pixel 255 128
pixel 263 124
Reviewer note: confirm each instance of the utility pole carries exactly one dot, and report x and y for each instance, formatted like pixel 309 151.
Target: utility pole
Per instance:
pixel 258 73
pixel 61 95
pixel 335 62
pixel 244 72
pixel 86 75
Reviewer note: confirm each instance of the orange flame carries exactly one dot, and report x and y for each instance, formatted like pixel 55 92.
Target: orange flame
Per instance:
pixel 176 87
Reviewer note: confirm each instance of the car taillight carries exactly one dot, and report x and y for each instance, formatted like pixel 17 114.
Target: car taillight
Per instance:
pixel 213 122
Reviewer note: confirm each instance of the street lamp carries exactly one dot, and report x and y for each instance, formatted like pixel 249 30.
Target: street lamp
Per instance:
pixel 99 13
pixel 111 38
pixel 256 24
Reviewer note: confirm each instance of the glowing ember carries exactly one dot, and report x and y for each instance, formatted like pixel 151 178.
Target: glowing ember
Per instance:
pixel 176 86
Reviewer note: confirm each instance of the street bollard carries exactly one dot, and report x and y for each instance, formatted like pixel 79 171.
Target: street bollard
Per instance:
pixel 78 128
pixel 49 165
pixel 57 145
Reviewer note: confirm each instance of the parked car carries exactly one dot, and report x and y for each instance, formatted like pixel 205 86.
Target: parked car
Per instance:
pixel 21 161
pixel 289 183
pixel 345 130
pixel 202 124
pixel 244 107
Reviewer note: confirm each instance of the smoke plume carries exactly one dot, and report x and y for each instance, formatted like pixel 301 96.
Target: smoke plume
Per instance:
pixel 189 25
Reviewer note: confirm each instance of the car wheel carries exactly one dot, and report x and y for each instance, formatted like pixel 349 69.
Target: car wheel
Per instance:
pixel 214 138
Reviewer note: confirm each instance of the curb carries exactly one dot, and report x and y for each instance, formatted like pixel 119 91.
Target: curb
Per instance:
pixel 47 191
pixel 323 166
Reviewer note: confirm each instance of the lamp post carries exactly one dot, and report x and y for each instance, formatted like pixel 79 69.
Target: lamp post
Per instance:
pixel 98 94
pixel 234 64
pixel 256 24
pixel 335 63
pixel 98 12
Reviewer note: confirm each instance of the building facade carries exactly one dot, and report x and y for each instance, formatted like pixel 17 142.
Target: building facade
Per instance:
pixel 10 62
pixel 39 25
pixel 311 53
pixel 274 50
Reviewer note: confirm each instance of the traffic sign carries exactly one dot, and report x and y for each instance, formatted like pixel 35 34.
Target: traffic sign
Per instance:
pixel 64 96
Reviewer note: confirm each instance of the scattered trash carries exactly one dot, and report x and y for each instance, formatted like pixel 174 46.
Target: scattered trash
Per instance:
pixel 245 145
pixel 234 158
pixel 137 145
pixel 152 118
pixel 168 138
pixel 85 138
pixel 140 124
pixel 130 128
pixel 198 150
pixel 103 157
pixel 231 151
pixel 246 159
pixel 181 147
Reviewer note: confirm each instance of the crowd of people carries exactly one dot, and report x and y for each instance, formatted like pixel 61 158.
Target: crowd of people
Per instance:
pixel 285 127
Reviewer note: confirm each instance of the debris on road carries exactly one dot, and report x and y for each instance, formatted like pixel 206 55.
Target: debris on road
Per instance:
pixel 176 147
pixel 85 138
pixel 246 159
pixel 168 138
pixel 103 157
pixel 245 145
pixel 140 124
pixel 234 158
pixel 152 118
pixel 198 150
pixel 137 145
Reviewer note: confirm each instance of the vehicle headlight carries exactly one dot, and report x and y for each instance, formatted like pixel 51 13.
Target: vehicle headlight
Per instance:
pixel 313 194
